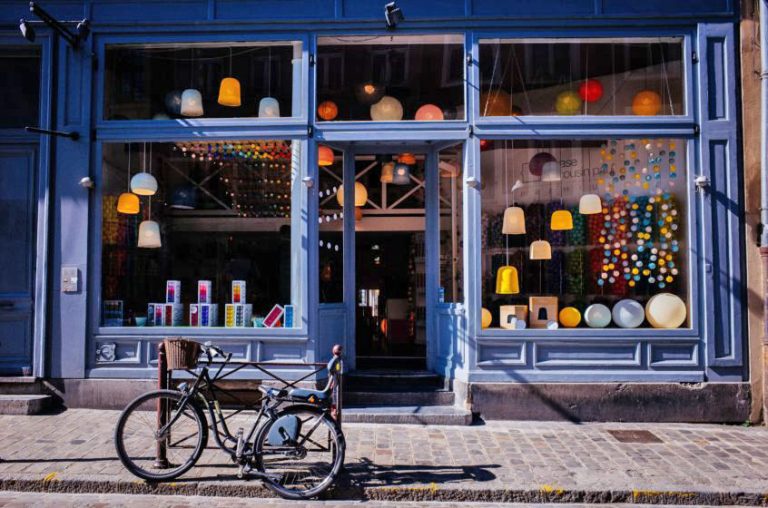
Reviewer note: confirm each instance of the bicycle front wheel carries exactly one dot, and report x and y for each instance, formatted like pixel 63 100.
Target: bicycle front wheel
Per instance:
pixel 303 465
pixel 158 440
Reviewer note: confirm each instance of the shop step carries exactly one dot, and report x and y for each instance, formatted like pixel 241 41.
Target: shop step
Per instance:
pixel 408 397
pixel 367 380
pixel 420 415
pixel 20 385
pixel 24 404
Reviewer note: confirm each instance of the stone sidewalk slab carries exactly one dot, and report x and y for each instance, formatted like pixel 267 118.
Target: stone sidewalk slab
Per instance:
pixel 497 462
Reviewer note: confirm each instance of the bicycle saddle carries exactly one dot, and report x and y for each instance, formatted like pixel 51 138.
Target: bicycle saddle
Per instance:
pixel 311 396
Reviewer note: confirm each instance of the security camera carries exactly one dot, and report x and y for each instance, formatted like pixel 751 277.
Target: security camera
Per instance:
pixel 393 15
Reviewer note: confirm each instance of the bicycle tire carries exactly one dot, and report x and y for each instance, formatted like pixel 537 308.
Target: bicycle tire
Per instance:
pixel 191 421
pixel 336 449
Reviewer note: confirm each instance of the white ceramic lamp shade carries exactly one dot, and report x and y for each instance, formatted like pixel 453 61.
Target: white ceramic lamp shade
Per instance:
pixel 540 250
pixel 590 204
pixel 597 315
pixel 388 109
pixel 514 221
pixel 149 235
pixel 143 184
pixel 191 103
pixel 269 108
pixel 665 310
pixel 550 172
pixel 628 313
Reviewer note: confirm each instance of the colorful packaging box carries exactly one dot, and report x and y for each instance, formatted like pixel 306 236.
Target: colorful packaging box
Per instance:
pixel 238 291
pixel 203 314
pixel 112 313
pixel 173 291
pixel 204 290
pixel 272 320
pixel 173 314
pixel 237 315
pixel 151 314
pixel 288 312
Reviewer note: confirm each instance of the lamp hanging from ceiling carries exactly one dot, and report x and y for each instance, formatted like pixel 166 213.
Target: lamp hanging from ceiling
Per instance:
pixel 324 156
pixel 514 216
pixel 229 89
pixel 387 172
pixel 590 204
pixel 369 92
pixel 406 158
pixel 402 174
pixel 268 106
pixel 144 184
pixel 327 110
pixel 562 220
pixel 149 230
pixel 507 280
pixel 429 112
pixel 541 250
pixel 191 99
pixel 128 202
pixel 550 171
pixel 387 109
pixel 361 198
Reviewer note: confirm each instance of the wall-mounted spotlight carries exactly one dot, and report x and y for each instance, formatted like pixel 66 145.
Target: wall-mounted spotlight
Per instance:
pixel 393 15
pixel 82 27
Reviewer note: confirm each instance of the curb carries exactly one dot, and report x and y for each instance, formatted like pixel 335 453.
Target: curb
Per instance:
pixel 416 493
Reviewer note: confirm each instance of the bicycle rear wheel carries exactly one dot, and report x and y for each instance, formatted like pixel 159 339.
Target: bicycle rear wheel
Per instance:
pixel 306 467
pixel 141 449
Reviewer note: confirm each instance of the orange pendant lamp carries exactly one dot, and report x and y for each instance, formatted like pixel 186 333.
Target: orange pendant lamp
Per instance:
pixel 324 156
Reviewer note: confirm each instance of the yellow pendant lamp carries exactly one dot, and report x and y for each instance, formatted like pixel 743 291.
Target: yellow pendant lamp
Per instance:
pixel 562 220
pixel 541 250
pixel 387 172
pixel 229 92
pixel 507 281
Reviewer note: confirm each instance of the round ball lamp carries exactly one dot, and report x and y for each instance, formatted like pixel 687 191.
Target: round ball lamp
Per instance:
pixel 536 164
pixel 590 204
pixel 191 103
pixel 128 203
pixel 388 109
pixel 143 184
pixel 173 102
pixel 541 250
pixel 550 172
pixel 324 156
pixel 665 310
pixel 361 195
pixel 429 113
pixel 570 317
pixel 567 103
pixel 486 318
pixel 369 92
pixel 402 174
pixel 646 103
pixel 149 235
pixel 229 92
pixel 562 220
pixel 514 221
pixel 507 281
pixel 387 172
pixel 597 315
pixel 591 90
pixel 327 110
pixel 628 313
pixel 269 108
pixel 496 103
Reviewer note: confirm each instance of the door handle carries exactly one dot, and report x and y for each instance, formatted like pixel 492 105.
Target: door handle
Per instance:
pixel 7 304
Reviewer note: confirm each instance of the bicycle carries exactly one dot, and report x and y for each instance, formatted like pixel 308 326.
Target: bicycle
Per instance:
pixel 294 446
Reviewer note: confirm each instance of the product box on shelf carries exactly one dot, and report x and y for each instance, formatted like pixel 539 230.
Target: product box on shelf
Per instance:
pixel 173 291
pixel 204 290
pixel 165 314
pixel 272 320
pixel 112 312
pixel 237 315
pixel 203 314
pixel 288 313
pixel 238 291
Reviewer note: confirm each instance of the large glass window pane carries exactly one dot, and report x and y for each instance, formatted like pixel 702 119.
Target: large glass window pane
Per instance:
pixel 643 77
pixel 331 223
pixel 585 233
pixel 214 246
pixel 390 78
pixel 162 81
pixel 451 230
pixel 20 83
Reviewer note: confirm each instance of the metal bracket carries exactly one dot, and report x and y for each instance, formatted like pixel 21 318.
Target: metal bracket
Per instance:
pixel 73 135
pixel 695 57
pixel 308 181
pixel 702 182
pixel 469 58
pixel 311 59
pixel 310 131
pixel 473 182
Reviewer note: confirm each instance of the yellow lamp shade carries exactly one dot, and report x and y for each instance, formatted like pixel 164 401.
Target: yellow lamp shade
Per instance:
pixel 590 204
pixel 324 156
pixel 540 250
pixel 429 112
pixel 646 103
pixel 562 220
pixel 388 109
pixel 128 202
pixel 327 110
pixel 514 221
pixel 361 195
pixel 507 282
pixel 496 103
pixel 229 92
pixel 568 103
pixel 387 172
pixel 665 310
pixel 406 158
pixel 486 318
pixel 570 317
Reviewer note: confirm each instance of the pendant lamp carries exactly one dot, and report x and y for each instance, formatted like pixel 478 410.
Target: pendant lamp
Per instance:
pixel 229 90
pixel 269 108
pixel 149 235
pixel 128 202
pixel 144 184
pixel 507 281
pixel 590 204
pixel 327 110
pixel 388 109
pixel 562 220
pixel 369 92
pixel 406 158
pixel 550 172
pixel 541 250
pixel 429 112
pixel 324 156
pixel 387 172
pixel 514 221
pixel 361 195
pixel 191 103
pixel 402 174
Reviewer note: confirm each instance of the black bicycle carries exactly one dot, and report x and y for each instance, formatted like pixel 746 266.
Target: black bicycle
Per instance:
pixel 294 446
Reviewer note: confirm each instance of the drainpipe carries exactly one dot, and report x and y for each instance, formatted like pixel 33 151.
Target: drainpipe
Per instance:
pixel 764 185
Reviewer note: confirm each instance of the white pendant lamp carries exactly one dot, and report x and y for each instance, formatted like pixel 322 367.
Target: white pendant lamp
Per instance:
pixel 191 103
pixel 514 221
pixel 149 235
pixel 402 174
pixel 541 250
pixel 387 109
pixel 144 184
pixel 387 172
pixel 550 172
pixel 590 204
pixel 269 108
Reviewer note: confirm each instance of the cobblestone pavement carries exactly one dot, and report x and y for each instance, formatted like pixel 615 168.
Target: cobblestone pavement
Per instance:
pixel 517 461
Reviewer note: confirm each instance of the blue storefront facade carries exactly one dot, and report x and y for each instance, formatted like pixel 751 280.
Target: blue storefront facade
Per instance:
pixel 622 115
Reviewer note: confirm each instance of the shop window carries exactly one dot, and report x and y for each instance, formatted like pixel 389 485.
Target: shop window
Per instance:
pixel 214 246
pixel 567 77
pixel 169 81
pixel 390 78
pixel 584 234
pixel 20 83
pixel 451 231
pixel 331 224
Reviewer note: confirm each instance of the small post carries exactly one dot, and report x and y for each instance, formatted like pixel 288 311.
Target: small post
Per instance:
pixel 337 388
pixel 161 460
